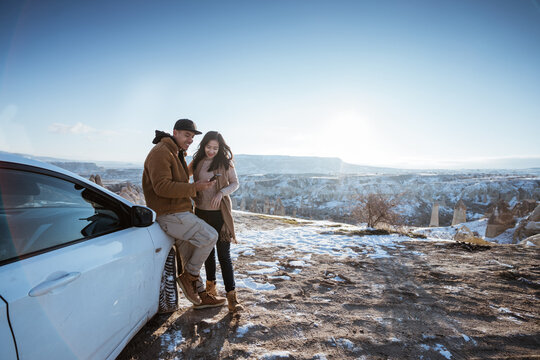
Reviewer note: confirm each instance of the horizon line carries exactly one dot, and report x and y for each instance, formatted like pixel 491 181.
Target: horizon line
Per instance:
pixel 415 164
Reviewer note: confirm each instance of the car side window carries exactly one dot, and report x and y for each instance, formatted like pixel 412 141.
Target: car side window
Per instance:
pixel 40 212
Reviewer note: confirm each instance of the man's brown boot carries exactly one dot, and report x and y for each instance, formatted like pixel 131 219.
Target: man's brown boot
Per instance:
pixel 208 301
pixel 211 287
pixel 232 302
pixel 188 284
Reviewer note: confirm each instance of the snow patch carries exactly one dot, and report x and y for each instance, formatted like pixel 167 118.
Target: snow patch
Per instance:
pixel 244 329
pixel 276 355
pixel 249 283
pixel 263 271
pixel 172 341
pixel 265 263
pixel 282 277
pixel 468 339
pixel 345 343
pixel 298 263
pixel 439 348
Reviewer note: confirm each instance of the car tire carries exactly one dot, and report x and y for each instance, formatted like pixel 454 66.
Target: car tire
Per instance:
pixel 168 292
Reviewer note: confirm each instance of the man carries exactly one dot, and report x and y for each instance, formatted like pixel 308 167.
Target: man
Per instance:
pixel 168 192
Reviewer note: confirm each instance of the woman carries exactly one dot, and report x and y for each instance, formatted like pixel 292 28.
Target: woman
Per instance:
pixel 214 157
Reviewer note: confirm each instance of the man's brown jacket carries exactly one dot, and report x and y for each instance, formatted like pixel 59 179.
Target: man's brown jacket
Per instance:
pixel 165 181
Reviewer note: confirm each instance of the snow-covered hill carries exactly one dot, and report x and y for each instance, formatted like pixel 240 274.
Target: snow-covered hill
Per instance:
pixel 332 197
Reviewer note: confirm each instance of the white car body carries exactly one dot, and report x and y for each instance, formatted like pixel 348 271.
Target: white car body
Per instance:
pixel 85 299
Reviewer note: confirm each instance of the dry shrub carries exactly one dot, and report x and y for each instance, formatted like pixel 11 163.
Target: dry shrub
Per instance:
pixel 377 210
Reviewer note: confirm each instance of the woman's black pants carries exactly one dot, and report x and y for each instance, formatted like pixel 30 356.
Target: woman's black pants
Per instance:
pixel 215 219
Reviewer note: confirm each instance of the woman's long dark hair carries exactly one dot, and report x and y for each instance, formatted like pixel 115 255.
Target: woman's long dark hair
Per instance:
pixel 223 157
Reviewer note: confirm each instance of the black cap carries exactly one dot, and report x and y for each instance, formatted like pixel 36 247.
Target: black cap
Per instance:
pixel 188 125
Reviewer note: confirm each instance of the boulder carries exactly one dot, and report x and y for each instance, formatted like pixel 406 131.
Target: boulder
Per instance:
pixel 464 234
pixel 531 240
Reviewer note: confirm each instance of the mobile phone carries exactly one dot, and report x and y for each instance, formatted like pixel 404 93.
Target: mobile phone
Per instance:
pixel 214 177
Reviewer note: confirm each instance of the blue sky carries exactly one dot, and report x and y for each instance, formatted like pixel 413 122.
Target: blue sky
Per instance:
pixel 395 83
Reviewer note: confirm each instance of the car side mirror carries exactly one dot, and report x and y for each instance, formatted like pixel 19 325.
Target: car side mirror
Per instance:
pixel 141 216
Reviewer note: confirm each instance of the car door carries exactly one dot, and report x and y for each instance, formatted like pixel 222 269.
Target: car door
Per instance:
pixel 7 345
pixel 76 276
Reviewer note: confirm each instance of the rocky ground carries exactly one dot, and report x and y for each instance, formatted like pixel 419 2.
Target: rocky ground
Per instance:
pixel 360 298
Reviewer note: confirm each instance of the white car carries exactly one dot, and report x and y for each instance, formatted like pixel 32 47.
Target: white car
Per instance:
pixel 81 268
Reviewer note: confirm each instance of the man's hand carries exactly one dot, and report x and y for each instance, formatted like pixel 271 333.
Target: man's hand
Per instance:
pixel 216 199
pixel 203 184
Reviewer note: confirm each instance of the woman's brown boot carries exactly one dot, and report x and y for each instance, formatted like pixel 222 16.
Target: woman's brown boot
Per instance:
pixel 232 302
pixel 211 287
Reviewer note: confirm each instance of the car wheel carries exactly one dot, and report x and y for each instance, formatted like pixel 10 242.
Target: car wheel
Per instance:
pixel 168 292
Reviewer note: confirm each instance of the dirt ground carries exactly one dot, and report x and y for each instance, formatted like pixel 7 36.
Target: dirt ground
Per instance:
pixel 430 300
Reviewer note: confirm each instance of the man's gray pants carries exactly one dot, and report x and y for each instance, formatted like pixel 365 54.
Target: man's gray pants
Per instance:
pixel 194 240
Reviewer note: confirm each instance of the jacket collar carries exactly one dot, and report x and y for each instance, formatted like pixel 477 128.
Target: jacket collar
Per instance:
pixel 171 144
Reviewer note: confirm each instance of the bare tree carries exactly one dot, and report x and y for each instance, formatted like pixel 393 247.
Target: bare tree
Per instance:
pixel 375 209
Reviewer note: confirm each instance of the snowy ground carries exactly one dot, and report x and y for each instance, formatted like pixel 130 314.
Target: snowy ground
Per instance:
pixel 313 292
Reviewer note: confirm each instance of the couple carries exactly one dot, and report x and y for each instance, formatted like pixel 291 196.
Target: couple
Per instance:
pixel 168 192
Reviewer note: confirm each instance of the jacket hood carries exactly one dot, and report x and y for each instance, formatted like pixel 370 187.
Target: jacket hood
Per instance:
pixel 160 135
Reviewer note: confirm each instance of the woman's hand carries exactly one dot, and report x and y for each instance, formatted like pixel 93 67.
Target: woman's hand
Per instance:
pixel 203 184
pixel 216 200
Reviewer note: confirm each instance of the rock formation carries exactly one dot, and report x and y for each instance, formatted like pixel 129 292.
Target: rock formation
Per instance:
pixel 434 222
pixel 96 178
pixel 125 189
pixel 529 226
pixel 266 208
pixel 524 207
pixel 132 194
pixel 279 209
pixel 460 213
pixel 254 207
pixel 128 191
pixel 243 204
pixel 500 220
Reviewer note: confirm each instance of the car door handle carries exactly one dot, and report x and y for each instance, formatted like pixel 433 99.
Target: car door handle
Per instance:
pixel 50 285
